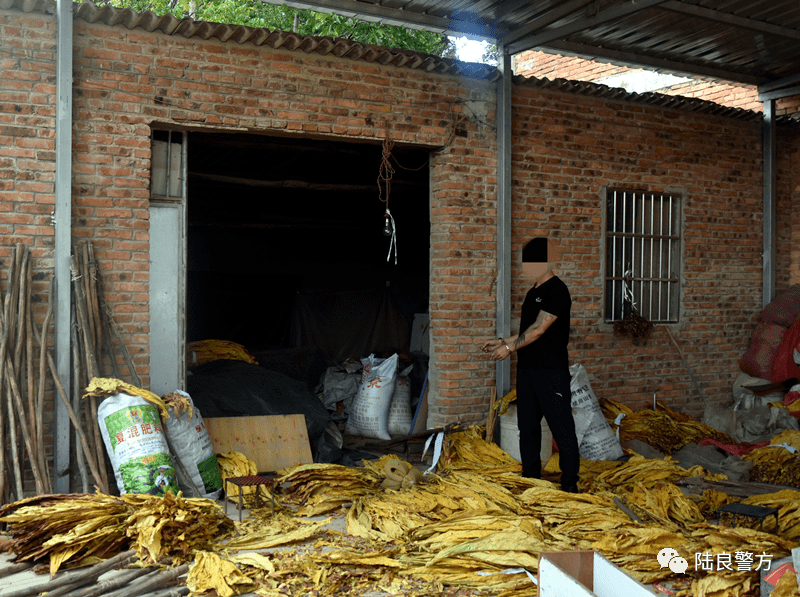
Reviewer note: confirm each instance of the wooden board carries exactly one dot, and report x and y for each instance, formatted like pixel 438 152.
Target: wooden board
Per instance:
pixel 272 442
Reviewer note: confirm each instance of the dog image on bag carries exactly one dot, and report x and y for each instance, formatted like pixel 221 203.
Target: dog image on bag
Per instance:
pixel 163 480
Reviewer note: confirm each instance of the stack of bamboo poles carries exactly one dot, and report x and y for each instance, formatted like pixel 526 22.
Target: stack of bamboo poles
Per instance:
pixel 22 386
pixel 25 357
pixel 94 333
pixel 120 579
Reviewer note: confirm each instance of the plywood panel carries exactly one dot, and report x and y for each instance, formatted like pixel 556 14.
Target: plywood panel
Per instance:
pixel 273 442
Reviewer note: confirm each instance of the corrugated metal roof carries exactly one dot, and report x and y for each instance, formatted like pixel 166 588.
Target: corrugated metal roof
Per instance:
pixel 347 49
pixel 753 41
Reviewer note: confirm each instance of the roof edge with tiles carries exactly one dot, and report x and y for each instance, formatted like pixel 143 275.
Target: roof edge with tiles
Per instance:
pixel 344 48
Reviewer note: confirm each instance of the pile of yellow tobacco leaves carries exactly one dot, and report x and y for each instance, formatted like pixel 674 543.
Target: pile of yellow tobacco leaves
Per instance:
pixel 73 530
pixel 775 463
pixel 473 528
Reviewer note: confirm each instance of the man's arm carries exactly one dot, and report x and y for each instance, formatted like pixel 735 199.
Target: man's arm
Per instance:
pixel 543 321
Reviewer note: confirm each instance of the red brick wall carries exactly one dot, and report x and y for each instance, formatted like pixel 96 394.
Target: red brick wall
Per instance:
pixel 555 66
pixel 126 80
pixel 567 149
pixel 27 170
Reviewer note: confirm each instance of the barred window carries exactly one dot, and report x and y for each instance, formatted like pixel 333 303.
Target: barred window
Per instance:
pixel 643 255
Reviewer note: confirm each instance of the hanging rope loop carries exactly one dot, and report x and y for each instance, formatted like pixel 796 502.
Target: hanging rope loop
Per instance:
pixel 385 173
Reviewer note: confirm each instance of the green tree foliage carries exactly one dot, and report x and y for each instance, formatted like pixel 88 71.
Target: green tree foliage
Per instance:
pixel 254 13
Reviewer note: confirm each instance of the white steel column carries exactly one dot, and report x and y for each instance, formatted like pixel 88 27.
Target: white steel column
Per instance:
pixel 63 240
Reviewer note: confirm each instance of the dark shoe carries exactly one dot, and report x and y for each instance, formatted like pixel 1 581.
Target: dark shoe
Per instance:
pixel 570 488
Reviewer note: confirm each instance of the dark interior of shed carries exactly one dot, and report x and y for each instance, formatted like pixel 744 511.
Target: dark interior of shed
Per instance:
pixel 283 229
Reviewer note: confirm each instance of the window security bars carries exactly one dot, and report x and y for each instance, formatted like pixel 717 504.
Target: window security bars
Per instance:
pixel 166 179
pixel 643 240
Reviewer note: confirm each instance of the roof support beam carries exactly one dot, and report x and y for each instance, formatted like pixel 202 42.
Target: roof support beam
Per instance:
pixel 770 204
pixel 544 20
pixel 63 240
pixel 785 87
pixel 504 88
pixel 399 17
pixel 729 19
pixel 670 66
pixel 616 12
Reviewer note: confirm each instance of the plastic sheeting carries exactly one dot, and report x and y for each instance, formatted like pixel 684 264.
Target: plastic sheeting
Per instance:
pixel 350 324
pixel 235 388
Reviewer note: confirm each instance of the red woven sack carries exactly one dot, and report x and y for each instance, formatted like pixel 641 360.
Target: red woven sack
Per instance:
pixel 784 367
pixel 764 345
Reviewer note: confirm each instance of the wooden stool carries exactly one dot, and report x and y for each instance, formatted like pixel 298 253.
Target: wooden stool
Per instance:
pixel 250 481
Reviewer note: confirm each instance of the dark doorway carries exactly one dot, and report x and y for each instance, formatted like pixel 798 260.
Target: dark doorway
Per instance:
pixel 274 219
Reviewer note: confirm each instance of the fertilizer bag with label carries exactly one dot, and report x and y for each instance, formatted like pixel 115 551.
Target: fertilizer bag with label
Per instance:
pixel 135 441
pixel 370 411
pixel 596 439
pixel 191 444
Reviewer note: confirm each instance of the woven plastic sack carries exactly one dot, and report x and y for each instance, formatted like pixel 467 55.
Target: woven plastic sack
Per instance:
pixel 764 345
pixel 370 411
pixel 136 444
pixel 596 439
pixel 400 415
pixel 192 445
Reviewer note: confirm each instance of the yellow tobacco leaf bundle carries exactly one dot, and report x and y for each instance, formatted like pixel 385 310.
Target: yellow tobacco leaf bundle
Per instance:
pixel 775 464
pixel 211 571
pixel 664 429
pixel 666 502
pixel 205 351
pixel 236 464
pixel 103 387
pixel 66 529
pixel 321 488
pixel 171 529
pixel 179 403
pixel 646 472
pixel 468 450
pixel 787 502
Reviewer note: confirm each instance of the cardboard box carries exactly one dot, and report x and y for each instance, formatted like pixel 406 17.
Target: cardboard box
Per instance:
pixel 585 574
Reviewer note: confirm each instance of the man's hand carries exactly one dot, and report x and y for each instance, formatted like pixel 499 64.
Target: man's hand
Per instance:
pixel 498 349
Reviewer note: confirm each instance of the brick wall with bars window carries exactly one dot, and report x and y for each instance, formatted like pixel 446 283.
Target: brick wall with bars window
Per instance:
pixel 642 255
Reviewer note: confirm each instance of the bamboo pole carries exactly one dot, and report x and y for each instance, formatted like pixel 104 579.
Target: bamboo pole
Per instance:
pixel 150 583
pixel 121 580
pixel 27 380
pixel 37 477
pixel 2 408
pixel 42 376
pixel 76 578
pixel 135 380
pixel 98 479
pixel 94 295
pixel 5 341
pixel 29 376
pixel 85 279
pixel 76 401
pixel 91 366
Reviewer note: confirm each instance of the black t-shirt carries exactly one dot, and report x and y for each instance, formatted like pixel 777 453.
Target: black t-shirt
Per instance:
pixel 549 351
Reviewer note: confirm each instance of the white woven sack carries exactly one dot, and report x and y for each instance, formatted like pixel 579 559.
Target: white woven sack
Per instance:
pixel 596 439
pixel 137 445
pixel 192 445
pixel 370 410
pixel 400 416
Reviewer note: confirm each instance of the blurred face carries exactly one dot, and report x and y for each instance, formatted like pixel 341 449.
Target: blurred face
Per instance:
pixel 534 272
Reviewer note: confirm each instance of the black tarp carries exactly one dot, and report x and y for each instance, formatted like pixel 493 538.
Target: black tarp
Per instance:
pixel 227 388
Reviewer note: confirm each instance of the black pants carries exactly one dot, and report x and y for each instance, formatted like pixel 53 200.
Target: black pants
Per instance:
pixel 545 392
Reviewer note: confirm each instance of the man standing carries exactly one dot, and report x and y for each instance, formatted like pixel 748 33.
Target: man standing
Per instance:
pixel 543 378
